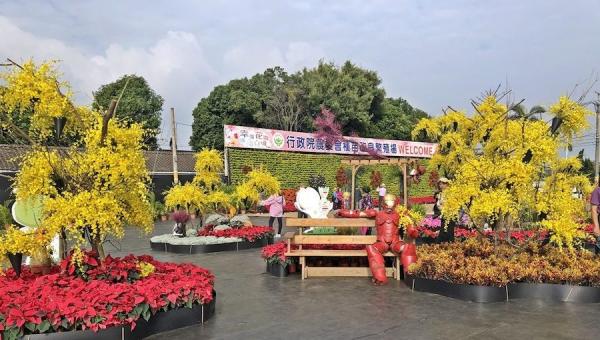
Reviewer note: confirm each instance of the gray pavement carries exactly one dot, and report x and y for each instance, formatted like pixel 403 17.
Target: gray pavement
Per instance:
pixel 254 305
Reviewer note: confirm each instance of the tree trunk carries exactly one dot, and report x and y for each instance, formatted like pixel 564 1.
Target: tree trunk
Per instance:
pixel 98 247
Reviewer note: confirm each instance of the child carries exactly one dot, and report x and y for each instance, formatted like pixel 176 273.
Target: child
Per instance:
pixel 275 203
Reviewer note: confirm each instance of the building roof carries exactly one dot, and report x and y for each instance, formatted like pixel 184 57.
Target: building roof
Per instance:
pixel 157 161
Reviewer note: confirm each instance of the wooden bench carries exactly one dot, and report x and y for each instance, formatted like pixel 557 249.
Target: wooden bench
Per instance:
pixel 299 239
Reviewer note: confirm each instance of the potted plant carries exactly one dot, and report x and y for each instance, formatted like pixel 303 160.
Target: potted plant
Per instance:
pixel 158 210
pixel 181 218
pixel 277 262
pixel 15 243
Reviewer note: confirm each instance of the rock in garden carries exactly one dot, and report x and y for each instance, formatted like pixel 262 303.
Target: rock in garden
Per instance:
pixel 216 219
pixel 240 220
pixel 222 227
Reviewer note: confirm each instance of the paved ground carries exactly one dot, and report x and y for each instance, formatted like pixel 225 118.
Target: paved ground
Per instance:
pixel 254 305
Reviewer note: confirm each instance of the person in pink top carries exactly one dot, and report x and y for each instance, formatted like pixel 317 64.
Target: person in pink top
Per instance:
pixel 275 203
pixel 381 190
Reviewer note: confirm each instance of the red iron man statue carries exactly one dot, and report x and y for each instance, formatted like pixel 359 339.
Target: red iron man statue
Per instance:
pixel 387 223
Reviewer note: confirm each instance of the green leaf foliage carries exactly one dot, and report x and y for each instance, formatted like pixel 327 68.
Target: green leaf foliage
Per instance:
pixel 277 100
pixel 139 104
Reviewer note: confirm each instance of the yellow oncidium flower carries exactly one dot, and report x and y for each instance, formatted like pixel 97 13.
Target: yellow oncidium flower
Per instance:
pixel 504 166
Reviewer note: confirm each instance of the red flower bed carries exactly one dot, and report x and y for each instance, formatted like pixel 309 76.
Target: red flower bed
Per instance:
pixel 63 301
pixel 275 253
pixel 249 234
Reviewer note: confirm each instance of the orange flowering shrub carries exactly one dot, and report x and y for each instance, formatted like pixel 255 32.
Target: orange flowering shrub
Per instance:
pixel 479 262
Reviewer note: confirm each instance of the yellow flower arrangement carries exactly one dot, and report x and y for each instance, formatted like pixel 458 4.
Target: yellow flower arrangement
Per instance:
pixel 15 241
pixel 258 181
pixel 188 196
pixel 99 186
pixel 219 201
pixel 408 217
pixel 209 166
pixel 38 88
pixel 502 166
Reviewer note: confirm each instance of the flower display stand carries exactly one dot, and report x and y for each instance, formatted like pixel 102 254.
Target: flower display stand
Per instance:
pixel 158 323
pixel 209 248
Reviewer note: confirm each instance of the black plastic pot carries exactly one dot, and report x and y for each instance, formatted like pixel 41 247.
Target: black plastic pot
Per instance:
pixel 276 269
pixel 16 261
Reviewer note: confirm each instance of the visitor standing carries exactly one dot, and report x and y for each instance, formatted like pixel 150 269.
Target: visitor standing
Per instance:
pixel 595 201
pixel 336 199
pixel 381 190
pixel 366 202
pixel 447 227
pixel 275 203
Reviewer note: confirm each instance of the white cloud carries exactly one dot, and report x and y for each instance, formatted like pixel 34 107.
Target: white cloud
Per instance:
pixel 175 66
pixel 254 57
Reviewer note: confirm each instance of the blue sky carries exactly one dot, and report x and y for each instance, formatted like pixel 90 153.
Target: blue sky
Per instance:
pixel 433 53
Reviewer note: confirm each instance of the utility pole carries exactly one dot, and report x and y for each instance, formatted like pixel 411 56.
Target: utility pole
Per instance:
pixel 174 146
pixel 597 158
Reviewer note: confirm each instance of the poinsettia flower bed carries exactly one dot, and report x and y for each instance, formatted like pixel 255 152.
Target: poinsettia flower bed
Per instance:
pixel 249 234
pixel 275 253
pixel 480 262
pixel 99 295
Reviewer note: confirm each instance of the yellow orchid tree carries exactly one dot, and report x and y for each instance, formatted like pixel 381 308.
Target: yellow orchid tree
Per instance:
pixel 504 165
pixel 258 181
pixel 209 166
pixel 203 193
pixel 91 190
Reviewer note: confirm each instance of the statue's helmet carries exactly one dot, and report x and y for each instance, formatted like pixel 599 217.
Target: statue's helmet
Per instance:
pixel 389 200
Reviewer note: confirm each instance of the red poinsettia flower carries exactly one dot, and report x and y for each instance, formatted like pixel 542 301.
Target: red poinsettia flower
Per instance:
pixel 69 298
pixel 250 234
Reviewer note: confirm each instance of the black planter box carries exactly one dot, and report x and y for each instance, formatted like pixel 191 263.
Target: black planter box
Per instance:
pixel 554 292
pixel 276 269
pixel 459 291
pixel 210 248
pixel 158 323
pixel 521 290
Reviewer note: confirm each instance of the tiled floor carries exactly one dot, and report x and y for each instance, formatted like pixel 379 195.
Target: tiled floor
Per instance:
pixel 254 305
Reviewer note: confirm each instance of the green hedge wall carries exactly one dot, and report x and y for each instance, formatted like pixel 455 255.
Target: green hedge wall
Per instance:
pixel 293 170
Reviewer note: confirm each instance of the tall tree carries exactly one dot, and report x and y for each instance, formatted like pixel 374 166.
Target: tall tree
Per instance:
pixel 353 93
pixel 139 104
pixel 277 100
pixel 238 102
pixel 397 120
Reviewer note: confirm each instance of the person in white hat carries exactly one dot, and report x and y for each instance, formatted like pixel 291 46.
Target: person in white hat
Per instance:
pixel 381 191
